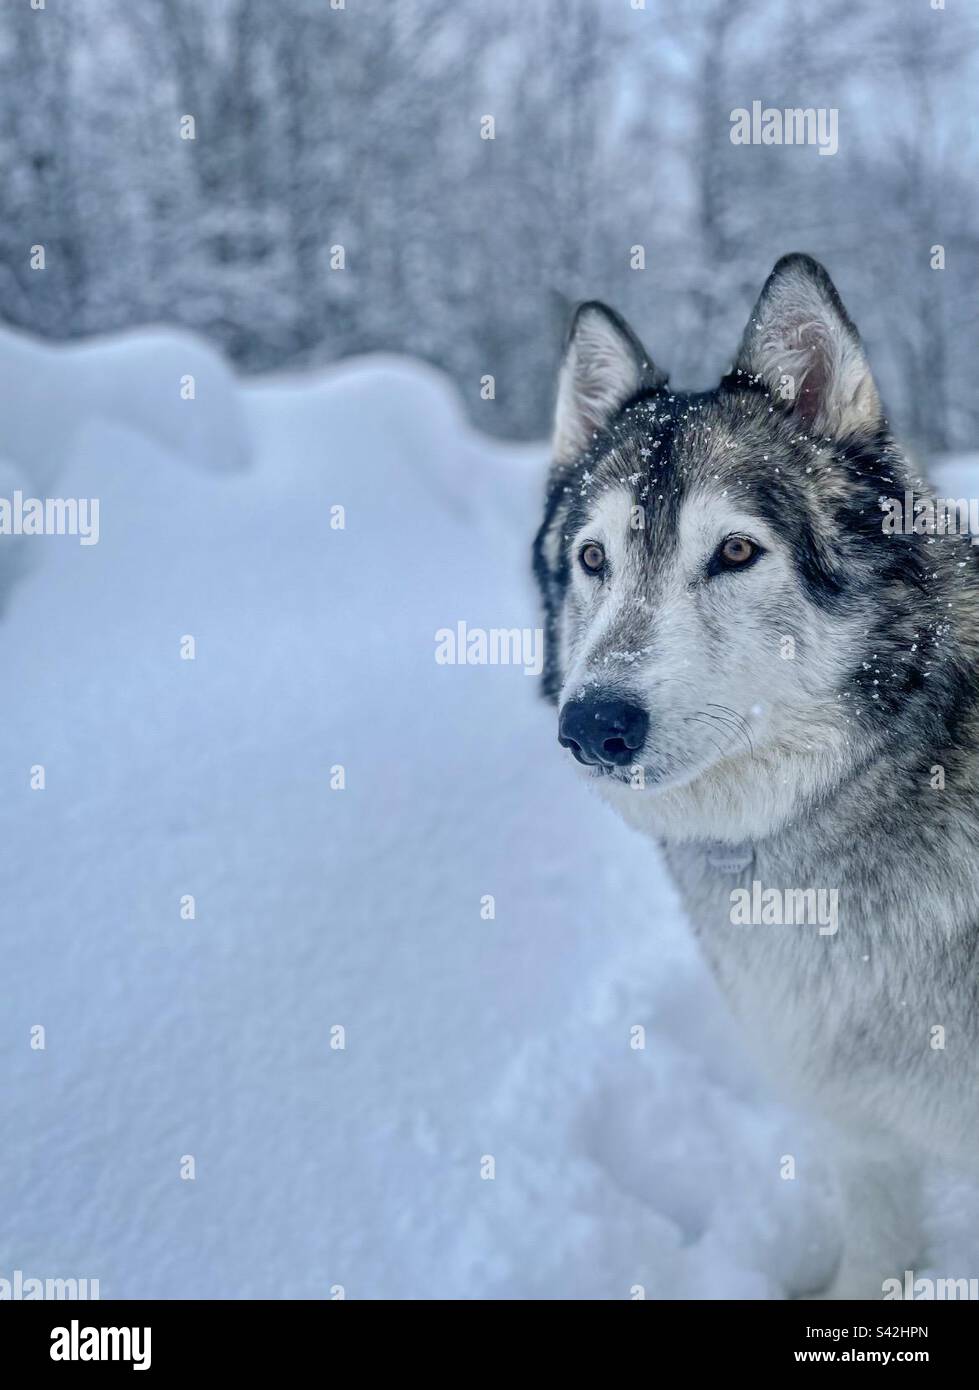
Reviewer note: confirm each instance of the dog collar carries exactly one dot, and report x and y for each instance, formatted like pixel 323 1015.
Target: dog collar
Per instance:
pixel 730 859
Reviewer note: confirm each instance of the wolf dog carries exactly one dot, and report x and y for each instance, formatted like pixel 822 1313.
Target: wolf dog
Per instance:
pixel 783 693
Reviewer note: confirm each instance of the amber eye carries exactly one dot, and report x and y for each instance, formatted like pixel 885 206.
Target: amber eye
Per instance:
pixel 736 552
pixel 592 558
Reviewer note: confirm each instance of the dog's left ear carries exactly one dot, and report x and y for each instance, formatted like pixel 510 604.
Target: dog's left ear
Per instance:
pixel 801 343
pixel 604 365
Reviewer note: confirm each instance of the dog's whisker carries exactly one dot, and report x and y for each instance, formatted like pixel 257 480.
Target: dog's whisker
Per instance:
pixel 740 720
pixel 735 729
pixel 733 713
pixel 716 720
pixel 693 718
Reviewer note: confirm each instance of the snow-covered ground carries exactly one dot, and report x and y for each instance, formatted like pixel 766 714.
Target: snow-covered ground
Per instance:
pixel 465 1039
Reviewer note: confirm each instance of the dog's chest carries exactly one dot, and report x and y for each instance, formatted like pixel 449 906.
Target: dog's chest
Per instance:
pixel 801 963
pixel 867 1007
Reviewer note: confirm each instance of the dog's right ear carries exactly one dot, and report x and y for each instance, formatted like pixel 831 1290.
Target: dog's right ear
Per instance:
pixel 604 365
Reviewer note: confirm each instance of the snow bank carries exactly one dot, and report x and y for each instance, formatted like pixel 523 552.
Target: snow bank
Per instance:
pixel 168 386
pixel 465 1039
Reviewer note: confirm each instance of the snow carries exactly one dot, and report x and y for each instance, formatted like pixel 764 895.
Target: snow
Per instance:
pixel 957 475
pixel 134 379
pixel 616 1167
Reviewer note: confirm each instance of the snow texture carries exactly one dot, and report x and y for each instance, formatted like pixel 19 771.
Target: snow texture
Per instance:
pixel 615 1166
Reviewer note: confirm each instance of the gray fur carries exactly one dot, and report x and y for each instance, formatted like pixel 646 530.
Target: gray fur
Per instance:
pixel 823 765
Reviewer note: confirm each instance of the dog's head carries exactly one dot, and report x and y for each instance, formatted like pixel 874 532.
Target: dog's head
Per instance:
pixel 728 626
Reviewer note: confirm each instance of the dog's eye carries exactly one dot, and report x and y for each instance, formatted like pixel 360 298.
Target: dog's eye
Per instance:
pixel 735 553
pixel 592 558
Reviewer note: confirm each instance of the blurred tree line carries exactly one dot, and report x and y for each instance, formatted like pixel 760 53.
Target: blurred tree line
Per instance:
pixel 360 125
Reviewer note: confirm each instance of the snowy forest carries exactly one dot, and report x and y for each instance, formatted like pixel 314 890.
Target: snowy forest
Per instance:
pixel 318 125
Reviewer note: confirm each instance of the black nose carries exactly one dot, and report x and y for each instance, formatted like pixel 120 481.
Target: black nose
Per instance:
pixel 602 731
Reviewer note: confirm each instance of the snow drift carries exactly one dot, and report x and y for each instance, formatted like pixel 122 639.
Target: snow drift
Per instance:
pixel 491 1125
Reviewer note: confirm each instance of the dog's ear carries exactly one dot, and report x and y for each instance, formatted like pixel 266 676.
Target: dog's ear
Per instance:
pixel 604 365
pixel 802 345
